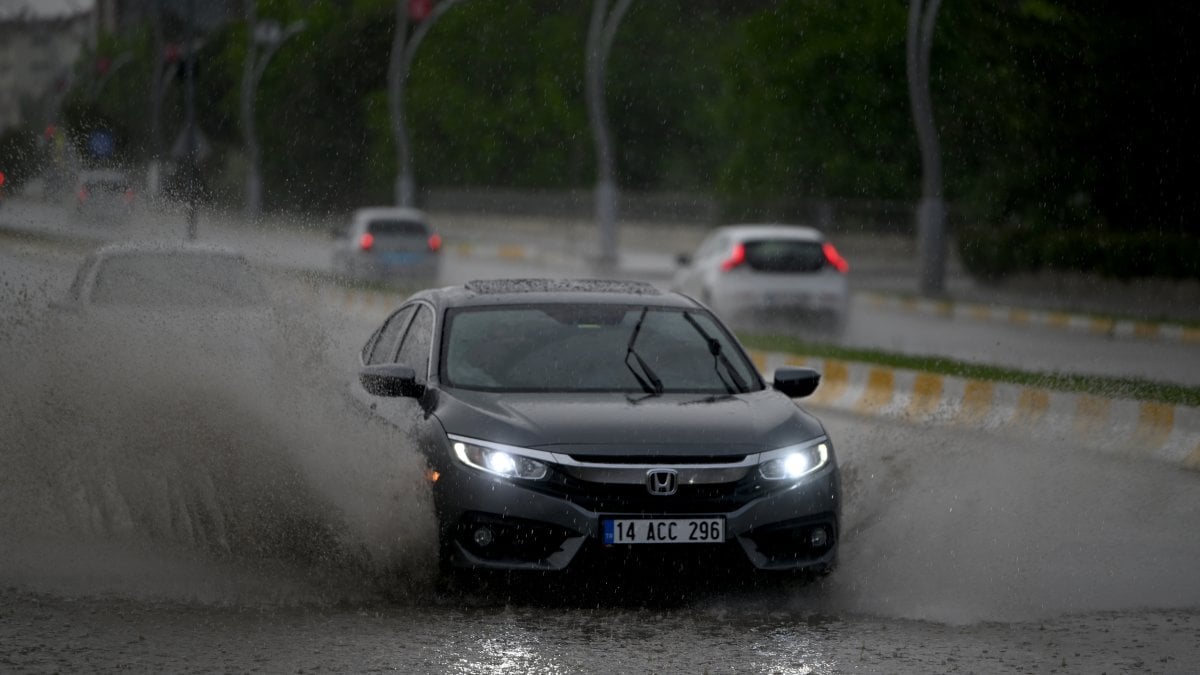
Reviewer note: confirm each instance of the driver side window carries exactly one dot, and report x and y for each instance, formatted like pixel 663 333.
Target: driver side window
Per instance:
pixel 414 351
pixel 385 342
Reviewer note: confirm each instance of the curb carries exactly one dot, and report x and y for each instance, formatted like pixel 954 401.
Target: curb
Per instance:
pixel 1169 433
pixel 1097 325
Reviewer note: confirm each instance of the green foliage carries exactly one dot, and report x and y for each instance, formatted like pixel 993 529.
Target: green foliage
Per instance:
pixel 1069 117
pixel 21 158
pixel 508 111
pixel 995 253
pixel 815 103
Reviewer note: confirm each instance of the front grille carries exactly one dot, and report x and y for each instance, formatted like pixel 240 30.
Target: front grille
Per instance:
pixel 651 461
pixel 635 499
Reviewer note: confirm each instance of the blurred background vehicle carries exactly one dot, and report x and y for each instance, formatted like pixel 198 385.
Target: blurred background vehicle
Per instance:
pixel 175 301
pixel 755 276
pixel 104 195
pixel 388 244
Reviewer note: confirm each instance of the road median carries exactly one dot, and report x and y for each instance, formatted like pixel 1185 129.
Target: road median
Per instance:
pixel 1163 431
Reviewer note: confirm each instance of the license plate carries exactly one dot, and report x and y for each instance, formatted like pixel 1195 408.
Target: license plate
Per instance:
pixel 802 300
pixel 399 257
pixel 664 531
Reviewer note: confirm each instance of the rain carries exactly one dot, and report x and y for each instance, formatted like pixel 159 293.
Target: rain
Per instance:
pixel 971 224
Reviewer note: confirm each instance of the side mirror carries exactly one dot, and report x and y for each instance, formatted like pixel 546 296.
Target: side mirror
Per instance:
pixel 683 259
pixel 796 382
pixel 390 379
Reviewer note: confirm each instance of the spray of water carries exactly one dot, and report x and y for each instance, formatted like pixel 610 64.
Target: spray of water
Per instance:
pixel 134 466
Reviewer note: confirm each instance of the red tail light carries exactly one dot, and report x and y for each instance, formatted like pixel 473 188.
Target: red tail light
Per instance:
pixel 435 242
pixel 129 196
pixel 366 241
pixel 839 263
pixel 736 257
pixel 83 194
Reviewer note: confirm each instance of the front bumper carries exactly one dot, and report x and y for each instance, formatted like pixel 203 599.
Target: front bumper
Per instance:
pixel 494 523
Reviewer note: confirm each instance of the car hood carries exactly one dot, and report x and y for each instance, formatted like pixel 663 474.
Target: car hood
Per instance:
pixel 615 424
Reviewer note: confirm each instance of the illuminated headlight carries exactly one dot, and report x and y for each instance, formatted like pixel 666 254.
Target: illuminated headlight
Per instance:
pixel 795 464
pixel 499 462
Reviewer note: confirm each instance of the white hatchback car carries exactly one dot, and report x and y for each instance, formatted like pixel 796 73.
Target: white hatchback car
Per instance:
pixel 769 276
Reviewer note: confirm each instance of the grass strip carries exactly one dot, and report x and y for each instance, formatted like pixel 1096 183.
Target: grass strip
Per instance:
pixel 1160 320
pixel 1099 385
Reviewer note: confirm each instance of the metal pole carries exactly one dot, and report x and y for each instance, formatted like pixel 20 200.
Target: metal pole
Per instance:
pixel 406 184
pixel 253 178
pixel 931 212
pixel 601 31
pixel 189 161
pixel 156 88
pixel 396 80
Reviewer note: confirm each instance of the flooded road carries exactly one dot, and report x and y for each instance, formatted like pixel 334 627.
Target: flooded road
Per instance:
pixel 49 634
pixel 199 515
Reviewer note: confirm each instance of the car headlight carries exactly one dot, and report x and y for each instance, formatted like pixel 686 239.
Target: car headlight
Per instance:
pixel 795 464
pixel 499 462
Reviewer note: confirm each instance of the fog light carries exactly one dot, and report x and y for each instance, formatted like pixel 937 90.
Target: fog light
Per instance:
pixel 483 536
pixel 817 539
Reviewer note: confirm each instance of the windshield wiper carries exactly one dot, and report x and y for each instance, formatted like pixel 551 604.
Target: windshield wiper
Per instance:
pixel 653 385
pixel 735 383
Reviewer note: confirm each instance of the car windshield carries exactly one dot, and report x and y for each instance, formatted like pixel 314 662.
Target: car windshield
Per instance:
pixel 591 348
pixel 179 279
pixel 784 255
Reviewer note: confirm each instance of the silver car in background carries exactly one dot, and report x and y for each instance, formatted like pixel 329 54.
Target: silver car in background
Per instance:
pixel 169 301
pixel 104 196
pixel 388 244
pixel 769 277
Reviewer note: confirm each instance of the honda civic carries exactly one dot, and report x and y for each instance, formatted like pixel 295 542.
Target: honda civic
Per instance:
pixel 565 420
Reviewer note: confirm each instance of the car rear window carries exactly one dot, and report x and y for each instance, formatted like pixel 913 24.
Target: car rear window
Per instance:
pixel 397 228
pixel 784 255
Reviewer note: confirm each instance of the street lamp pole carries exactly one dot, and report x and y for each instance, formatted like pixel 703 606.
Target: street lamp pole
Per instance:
pixel 404 50
pixel 931 213
pixel 601 32
pixel 191 170
pixel 268 36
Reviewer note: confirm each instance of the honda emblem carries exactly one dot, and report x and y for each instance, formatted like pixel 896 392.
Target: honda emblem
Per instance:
pixel 662 482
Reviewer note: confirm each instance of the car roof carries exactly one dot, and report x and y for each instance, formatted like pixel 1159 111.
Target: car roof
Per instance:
pixel 775 231
pixel 553 291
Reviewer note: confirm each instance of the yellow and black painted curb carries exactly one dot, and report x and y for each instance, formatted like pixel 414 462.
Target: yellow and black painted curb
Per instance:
pixel 1119 426
pixel 1098 325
